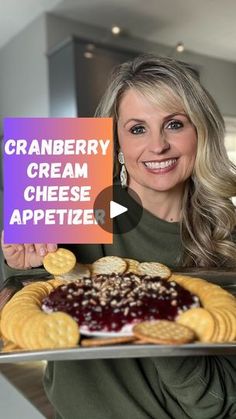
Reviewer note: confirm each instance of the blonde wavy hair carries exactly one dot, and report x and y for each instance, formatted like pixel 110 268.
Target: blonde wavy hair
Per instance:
pixel 208 215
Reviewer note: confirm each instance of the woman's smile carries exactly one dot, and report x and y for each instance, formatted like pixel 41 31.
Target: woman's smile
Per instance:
pixel 160 167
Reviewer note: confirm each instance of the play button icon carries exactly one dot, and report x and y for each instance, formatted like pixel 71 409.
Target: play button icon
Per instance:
pixel 117 210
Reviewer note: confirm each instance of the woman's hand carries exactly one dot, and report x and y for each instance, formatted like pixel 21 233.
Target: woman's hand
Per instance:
pixel 25 256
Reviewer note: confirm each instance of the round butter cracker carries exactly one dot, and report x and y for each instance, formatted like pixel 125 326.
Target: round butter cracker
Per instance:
pixel 154 269
pixel 56 330
pixel 108 265
pixel 60 262
pixel 163 332
pixel 201 321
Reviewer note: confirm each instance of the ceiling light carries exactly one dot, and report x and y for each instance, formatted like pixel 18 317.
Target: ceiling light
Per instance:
pixel 180 47
pixel 116 30
pixel 88 54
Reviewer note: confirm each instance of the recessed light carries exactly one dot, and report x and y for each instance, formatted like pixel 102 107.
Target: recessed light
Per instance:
pixel 88 54
pixel 116 30
pixel 180 47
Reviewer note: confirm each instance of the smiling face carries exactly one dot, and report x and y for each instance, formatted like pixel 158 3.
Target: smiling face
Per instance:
pixel 159 147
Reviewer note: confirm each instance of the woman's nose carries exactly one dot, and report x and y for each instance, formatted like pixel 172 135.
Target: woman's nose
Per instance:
pixel 158 143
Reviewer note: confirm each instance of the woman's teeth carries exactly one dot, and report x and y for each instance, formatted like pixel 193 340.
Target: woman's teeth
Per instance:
pixel 160 165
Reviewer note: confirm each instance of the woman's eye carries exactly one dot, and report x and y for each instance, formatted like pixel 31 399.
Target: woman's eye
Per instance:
pixel 138 129
pixel 174 125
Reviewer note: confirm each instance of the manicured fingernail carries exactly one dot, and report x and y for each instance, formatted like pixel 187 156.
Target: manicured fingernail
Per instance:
pixel 52 247
pixel 42 251
pixel 31 249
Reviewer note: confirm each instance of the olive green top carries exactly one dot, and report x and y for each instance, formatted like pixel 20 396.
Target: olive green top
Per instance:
pixel 146 388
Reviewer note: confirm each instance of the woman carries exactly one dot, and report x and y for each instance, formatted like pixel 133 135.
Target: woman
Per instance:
pixel 170 147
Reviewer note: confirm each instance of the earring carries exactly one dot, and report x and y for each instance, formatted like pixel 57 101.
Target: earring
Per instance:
pixel 123 172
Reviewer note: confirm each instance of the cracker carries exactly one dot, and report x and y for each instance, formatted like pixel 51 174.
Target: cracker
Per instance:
pixel 229 335
pixel 80 271
pixel 44 285
pixel 35 294
pixel 210 294
pixel 28 327
pixel 56 330
pixel 27 299
pixel 17 329
pixel 56 282
pixel 60 262
pixel 14 318
pixel 141 342
pixel 154 269
pixel 219 300
pixel 0 325
pixel 132 266
pixel 223 329
pixel 212 297
pixel 229 325
pixel 18 307
pixel 9 346
pixel 201 321
pixel 231 316
pixel 163 332
pixel 107 341
pixel 28 330
pixel 14 323
pixel 192 284
pixel 24 305
pixel 109 265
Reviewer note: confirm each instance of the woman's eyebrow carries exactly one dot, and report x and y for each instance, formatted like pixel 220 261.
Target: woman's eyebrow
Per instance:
pixel 139 121
pixel 172 115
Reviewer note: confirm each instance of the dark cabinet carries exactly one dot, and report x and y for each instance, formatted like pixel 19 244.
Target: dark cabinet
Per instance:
pixel 78 75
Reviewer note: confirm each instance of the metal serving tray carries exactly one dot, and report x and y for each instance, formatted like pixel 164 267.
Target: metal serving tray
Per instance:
pixel 227 279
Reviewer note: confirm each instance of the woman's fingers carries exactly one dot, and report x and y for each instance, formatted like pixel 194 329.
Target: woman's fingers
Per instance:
pixel 51 247
pixel 26 255
pixel 10 249
pixel 7 245
pixel 29 247
pixel 42 248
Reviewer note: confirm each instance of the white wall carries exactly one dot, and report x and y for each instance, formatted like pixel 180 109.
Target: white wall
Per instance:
pixel 23 73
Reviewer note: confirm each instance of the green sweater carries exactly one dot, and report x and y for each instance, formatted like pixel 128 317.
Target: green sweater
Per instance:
pixel 145 388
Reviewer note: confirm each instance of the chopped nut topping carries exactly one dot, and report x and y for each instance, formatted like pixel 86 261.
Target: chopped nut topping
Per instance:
pixel 110 302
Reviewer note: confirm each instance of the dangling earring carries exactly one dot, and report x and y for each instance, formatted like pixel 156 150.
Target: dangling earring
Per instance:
pixel 123 172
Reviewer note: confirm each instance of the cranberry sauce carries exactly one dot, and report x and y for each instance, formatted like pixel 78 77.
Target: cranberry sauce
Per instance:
pixel 109 302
